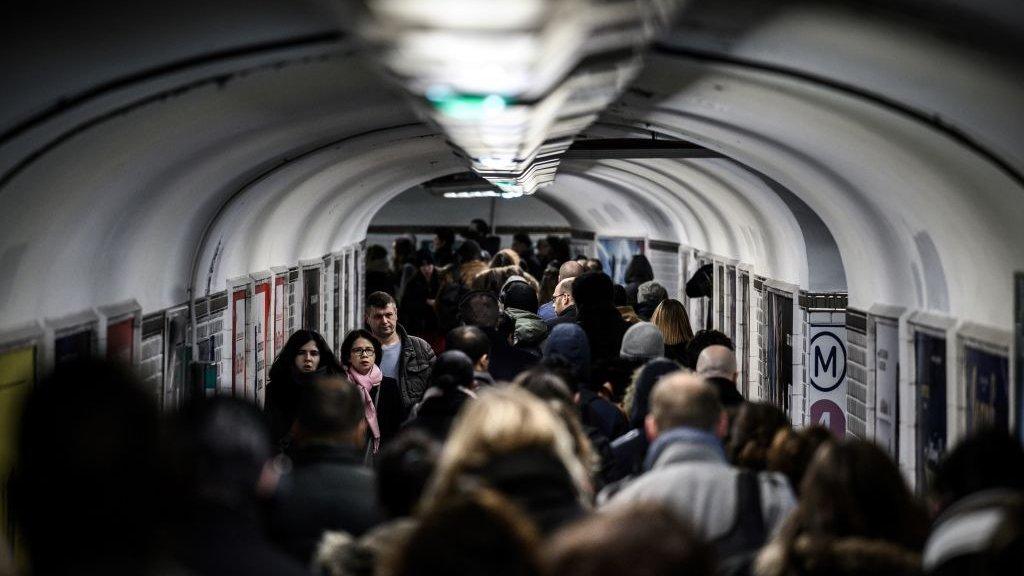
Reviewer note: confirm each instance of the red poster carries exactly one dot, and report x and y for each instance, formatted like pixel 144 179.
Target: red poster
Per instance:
pixel 238 343
pixel 261 336
pixel 279 306
pixel 121 341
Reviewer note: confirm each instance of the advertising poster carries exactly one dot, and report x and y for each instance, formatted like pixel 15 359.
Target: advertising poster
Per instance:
pixel 121 341
pixel 175 356
pixel 987 379
pixel 261 338
pixel 887 366
pixel 17 375
pixel 71 347
pixel 311 299
pixel 930 360
pixel 826 374
pixel 279 319
pixel 615 255
pixel 238 383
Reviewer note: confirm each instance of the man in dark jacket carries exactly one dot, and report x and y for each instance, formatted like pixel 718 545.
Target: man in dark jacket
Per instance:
pixel 450 387
pixel 405 358
pixel 223 449
pixel 523 246
pixel 329 488
pixel 565 307
pixel 474 343
pixel 480 309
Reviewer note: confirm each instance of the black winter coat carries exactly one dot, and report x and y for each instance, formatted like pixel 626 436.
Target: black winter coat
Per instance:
pixel 328 489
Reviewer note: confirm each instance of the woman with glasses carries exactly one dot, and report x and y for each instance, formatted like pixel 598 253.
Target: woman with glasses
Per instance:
pixel 382 399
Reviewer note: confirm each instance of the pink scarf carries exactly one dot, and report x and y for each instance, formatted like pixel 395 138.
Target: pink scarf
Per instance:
pixel 366 382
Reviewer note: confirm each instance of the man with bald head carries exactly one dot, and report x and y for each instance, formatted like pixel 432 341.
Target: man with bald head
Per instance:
pixel 717 364
pixel 568 270
pixel 565 307
pixel 686 471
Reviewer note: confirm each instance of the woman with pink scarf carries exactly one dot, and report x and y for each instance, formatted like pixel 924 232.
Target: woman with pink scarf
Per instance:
pixel 382 399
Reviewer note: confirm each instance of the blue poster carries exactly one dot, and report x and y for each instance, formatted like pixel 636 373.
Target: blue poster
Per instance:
pixel 615 255
pixel 988 389
pixel 77 346
pixel 930 360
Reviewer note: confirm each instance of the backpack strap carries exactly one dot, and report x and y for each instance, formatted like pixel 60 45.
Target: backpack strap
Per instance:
pixel 738 547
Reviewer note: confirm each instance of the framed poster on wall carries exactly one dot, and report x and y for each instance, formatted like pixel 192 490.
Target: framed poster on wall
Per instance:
pixel 280 307
pixel 260 335
pixel 19 360
pixel 239 305
pixel 615 255
pixel 177 356
pixel 887 377
pixel 930 368
pixel 311 297
pixel 987 388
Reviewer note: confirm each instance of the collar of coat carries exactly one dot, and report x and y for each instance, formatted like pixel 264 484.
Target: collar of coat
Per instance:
pixel 684 444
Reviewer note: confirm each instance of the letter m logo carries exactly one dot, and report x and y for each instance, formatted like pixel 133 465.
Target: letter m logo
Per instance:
pixel 820 361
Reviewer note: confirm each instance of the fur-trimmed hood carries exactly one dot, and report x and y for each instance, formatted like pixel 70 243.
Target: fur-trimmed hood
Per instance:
pixel 824 556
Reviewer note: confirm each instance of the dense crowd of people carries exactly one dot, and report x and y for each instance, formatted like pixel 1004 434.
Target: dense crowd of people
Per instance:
pixel 485 421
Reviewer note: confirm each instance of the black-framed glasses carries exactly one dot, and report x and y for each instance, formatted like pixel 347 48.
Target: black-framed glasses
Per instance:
pixel 363 352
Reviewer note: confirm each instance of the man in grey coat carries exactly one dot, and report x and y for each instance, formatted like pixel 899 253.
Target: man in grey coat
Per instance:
pixel 686 470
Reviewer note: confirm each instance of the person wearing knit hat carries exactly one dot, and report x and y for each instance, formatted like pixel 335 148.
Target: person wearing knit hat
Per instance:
pixel 642 341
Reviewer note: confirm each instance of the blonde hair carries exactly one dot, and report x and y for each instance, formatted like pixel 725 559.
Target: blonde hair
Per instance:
pixel 502 421
pixel 671 318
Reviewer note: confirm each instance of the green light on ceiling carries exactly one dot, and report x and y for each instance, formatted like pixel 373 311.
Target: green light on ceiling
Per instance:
pixel 467 106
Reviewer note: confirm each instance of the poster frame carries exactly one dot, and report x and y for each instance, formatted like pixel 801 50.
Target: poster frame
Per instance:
pixel 115 314
pixel 991 341
pixel 57 328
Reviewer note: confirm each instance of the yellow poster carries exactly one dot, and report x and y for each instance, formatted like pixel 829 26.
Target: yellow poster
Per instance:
pixel 17 374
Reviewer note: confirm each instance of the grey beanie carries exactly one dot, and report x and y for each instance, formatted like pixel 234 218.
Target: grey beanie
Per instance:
pixel 642 341
pixel 651 291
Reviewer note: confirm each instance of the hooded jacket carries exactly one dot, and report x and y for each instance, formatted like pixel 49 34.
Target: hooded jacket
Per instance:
pixel 529 330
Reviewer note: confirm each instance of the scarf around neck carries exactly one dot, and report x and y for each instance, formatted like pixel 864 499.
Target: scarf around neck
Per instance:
pixel 366 382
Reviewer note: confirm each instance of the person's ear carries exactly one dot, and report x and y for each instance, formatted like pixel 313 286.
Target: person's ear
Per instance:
pixel 722 428
pixel 650 427
pixel 270 476
pixel 608 391
pixel 485 362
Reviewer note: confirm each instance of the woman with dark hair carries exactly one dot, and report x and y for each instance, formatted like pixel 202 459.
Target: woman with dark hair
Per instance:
pixel 417 304
pixel 638 271
pixel 593 292
pixel 304 356
pixel 752 433
pixel 382 399
pixel 856 516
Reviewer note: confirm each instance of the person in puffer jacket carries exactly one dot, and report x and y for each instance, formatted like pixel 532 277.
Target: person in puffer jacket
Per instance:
pixel 525 328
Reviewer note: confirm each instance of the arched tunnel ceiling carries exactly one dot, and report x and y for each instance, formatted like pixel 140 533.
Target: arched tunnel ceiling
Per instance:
pixel 258 130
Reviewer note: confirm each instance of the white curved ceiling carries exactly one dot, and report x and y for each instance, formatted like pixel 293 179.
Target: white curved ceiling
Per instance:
pixel 250 134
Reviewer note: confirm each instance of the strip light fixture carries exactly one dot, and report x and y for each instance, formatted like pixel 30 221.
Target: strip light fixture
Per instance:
pixel 512 82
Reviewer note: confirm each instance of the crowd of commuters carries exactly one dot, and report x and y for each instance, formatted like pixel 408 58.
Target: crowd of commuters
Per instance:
pixel 546 431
